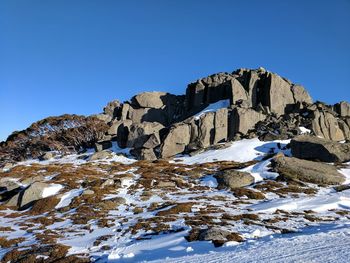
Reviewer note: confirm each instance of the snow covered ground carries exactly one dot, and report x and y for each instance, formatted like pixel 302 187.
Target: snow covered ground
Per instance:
pixel 325 243
pixel 291 226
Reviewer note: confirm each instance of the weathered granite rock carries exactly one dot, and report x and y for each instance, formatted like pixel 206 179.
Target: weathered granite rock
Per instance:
pixel 206 130
pixel 113 129
pixel 144 154
pixel 105 154
pixel 102 145
pixel 300 94
pixel 176 140
pixel 221 125
pixel 154 100
pixel 343 108
pixel 313 148
pixel 326 125
pixel 32 193
pixel 244 120
pixel 140 133
pixel 294 169
pixel 47 156
pixel 113 109
pixel 233 179
pixel 153 141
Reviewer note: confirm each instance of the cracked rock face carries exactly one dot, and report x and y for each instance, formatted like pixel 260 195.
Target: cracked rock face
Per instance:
pixel 160 125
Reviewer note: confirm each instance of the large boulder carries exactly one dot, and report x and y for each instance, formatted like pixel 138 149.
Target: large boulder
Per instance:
pixel 152 141
pixel 252 86
pixel 314 148
pixel 233 179
pixel 154 100
pixel 213 234
pixel 343 108
pixel 277 94
pixel 34 192
pixel 103 145
pixel 208 90
pixel 176 140
pixel 290 168
pixel 105 154
pixel 221 125
pixel 326 125
pixel 113 109
pixel 144 154
pixel 243 120
pixel 206 130
pixel 139 115
pixel 114 128
pixel 301 95
pixel 140 133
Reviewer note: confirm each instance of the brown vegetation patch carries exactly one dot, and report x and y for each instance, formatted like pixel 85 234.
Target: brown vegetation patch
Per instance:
pixel 6 243
pixel 240 217
pixel 251 194
pixel 177 209
pixel 55 253
pixel 44 205
pixel 5 228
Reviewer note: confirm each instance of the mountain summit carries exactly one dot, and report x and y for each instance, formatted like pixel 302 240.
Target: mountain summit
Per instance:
pixel 219 108
pixel 242 157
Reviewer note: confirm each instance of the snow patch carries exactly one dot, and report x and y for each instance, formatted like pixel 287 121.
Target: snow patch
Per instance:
pixel 67 198
pixel 51 190
pixel 240 151
pixel 213 108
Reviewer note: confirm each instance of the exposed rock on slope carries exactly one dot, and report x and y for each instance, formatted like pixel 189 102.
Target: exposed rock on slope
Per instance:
pixel 294 169
pixel 219 108
pixel 314 148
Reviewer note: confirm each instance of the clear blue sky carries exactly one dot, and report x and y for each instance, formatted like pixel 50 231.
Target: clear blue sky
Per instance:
pixel 65 56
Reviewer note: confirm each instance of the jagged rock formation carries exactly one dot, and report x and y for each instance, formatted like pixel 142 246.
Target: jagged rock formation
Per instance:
pixel 161 125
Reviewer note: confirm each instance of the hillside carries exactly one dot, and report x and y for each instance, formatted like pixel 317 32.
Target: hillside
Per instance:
pixel 243 167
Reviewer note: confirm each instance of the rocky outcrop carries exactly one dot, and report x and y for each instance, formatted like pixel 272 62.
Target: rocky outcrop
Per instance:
pixel 176 140
pixel 243 120
pixel 233 179
pixel 105 154
pixel 294 169
pixel 314 148
pixel 258 103
pixel 343 109
pixel 253 86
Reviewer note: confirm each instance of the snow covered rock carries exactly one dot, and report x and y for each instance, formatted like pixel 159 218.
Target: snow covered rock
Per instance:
pixel 35 191
pixel 314 148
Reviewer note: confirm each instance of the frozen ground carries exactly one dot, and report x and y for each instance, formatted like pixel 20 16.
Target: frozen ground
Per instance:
pixel 308 226
pixel 325 243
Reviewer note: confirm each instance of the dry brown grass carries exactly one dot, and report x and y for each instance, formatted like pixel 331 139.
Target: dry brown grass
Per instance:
pixel 6 243
pixel 44 205
pixel 240 217
pixel 251 194
pixel 55 253
pixel 177 209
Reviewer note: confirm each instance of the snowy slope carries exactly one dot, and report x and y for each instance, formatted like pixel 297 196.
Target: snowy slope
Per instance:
pixel 326 243
pixel 320 220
